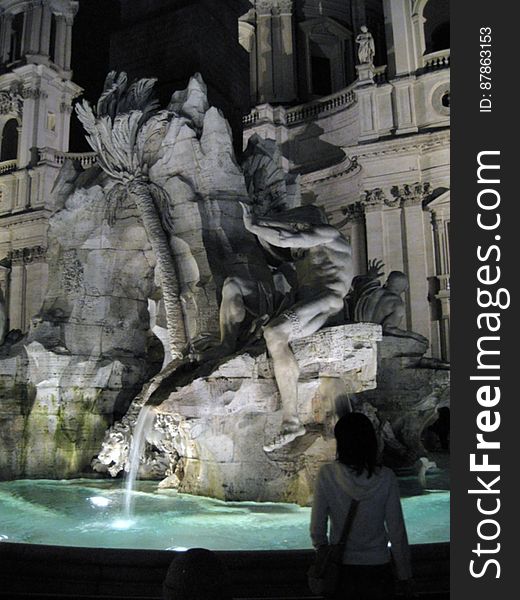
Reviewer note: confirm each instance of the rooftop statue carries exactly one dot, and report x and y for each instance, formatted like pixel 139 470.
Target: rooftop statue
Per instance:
pixel 366 49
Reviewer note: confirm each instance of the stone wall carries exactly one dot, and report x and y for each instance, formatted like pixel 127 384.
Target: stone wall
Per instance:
pixel 88 350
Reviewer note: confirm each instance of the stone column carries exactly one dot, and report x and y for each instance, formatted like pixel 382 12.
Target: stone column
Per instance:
pixel 284 84
pixel 27 32
pixel 440 220
pixel 7 28
pixel 416 261
pixel 61 33
pixel 402 58
pixel 264 50
pixel 247 39
pixel 45 31
pixel 372 202
pixel 36 275
pixel 68 43
pixel 4 293
pixel 36 28
pixel 16 304
pixel 355 216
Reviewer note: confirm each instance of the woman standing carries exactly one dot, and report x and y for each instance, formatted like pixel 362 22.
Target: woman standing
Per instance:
pixel 355 475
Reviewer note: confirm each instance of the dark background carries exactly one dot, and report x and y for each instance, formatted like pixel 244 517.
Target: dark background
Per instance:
pixel 472 133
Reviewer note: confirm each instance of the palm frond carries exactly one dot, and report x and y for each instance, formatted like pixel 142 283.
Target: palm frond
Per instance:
pixel 150 137
pixel 113 90
pixel 138 96
pixel 124 132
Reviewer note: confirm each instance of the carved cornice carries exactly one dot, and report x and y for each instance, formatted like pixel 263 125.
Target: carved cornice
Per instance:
pixel 347 167
pixel 413 144
pixel 24 256
pixel 410 194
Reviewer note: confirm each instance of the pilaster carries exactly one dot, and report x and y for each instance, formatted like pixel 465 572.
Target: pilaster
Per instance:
pixel 283 52
pixel 264 50
pixel 399 35
pixel 411 198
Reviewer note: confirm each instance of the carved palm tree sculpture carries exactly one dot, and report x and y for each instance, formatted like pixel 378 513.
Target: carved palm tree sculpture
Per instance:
pixel 126 130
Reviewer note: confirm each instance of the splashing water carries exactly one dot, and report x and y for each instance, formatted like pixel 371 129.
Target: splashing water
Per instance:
pixel 142 427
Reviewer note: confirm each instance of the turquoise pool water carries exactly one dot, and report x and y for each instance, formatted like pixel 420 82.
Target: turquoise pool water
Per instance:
pixel 88 513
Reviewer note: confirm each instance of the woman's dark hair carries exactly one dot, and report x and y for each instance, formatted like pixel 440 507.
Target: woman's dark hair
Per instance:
pixel 356 443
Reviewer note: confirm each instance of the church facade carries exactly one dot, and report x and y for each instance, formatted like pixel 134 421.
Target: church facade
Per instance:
pixel 356 93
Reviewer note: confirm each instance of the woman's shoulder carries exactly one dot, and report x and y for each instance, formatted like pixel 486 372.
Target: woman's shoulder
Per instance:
pixel 387 475
pixel 328 469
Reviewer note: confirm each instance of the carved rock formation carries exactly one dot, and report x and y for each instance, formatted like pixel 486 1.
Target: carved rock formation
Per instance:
pixel 212 429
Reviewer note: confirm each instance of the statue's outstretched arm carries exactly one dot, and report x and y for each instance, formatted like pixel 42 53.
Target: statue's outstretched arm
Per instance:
pixel 285 235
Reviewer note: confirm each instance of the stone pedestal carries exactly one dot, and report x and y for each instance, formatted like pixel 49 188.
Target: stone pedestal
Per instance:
pixel 365 73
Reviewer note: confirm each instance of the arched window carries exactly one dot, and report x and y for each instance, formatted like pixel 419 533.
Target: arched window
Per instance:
pixel 437 25
pixel 9 148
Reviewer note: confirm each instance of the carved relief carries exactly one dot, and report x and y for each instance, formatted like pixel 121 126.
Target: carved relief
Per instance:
pixel 11 102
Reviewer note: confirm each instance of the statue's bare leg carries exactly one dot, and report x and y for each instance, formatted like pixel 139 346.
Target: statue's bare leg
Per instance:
pixel 286 372
pixel 304 319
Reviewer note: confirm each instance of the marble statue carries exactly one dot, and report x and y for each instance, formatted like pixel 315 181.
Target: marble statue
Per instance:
pixel 366 49
pixel 324 275
pixel 372 302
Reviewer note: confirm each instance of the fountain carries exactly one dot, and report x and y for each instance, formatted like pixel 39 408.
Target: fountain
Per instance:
pixel 142 424
pixel 158 222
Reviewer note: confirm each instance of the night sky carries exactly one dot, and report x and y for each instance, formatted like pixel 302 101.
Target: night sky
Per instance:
pixel 95 21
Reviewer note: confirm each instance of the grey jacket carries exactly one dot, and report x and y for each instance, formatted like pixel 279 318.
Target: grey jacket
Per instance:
pixel 378 520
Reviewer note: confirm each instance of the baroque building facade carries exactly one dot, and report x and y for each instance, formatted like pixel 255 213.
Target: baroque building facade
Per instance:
pixel 36 94
pixel 369 140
